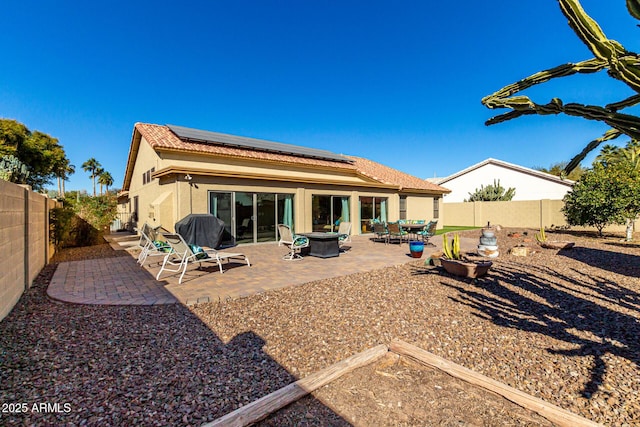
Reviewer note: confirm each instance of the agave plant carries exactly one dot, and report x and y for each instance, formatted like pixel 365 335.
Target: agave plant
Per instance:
pixel 451 250
pixel 541 236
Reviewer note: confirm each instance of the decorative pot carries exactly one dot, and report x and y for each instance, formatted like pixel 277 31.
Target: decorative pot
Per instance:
pixel 487 232
pixel 489 241
pixel 489 251
pixel 468 269
pixel 416 248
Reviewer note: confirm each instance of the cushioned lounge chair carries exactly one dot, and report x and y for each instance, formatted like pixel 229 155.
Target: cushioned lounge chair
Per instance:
pixel 150 245
pixel 181 255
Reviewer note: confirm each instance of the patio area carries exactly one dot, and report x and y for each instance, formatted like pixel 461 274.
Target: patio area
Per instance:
pixel 121 281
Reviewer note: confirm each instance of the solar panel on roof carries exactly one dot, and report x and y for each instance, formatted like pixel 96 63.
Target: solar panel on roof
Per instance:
pixel 208 137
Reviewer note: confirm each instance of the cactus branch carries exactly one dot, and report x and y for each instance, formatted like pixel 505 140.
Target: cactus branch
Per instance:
pixel 609 54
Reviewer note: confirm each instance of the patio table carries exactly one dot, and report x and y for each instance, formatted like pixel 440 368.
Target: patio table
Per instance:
pixel 412 228
pixel 323 245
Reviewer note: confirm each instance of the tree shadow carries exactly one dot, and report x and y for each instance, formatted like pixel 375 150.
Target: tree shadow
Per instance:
pixel 129 365
pixel 560 311
pixel 613 261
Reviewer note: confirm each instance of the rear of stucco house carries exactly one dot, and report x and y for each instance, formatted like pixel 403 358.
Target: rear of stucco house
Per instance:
pixel 253 185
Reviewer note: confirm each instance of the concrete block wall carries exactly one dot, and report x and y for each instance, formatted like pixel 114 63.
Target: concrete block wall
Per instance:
pixel 24 241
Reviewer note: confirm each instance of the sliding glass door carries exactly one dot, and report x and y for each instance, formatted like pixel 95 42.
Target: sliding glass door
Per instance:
pixel 328 212
pixel 251 217
pixel 372 208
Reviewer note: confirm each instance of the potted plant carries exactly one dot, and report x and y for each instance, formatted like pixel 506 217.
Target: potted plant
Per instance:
pixel 541 237
pixel 455 263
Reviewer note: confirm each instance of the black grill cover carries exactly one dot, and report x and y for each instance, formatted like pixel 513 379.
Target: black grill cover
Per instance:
pixel 201 230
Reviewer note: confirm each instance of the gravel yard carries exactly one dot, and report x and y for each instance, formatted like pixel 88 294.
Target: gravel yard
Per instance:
pixel 562 326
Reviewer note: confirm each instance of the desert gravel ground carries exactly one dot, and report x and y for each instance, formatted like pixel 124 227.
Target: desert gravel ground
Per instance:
pixel 562 326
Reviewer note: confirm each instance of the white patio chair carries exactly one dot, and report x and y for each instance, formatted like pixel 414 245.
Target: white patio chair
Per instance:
pixel 344 233
pixel 181 254
pixel 293 242
pixel 150 244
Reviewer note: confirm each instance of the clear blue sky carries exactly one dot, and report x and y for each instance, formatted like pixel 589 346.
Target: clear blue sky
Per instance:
pixel 399 83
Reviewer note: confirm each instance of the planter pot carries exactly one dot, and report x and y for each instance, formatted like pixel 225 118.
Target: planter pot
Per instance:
pixel 416 248
pixel 434 259
pixel 468 269
pixel 557 244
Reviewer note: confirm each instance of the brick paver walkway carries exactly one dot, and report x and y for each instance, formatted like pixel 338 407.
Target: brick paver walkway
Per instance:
pixel 120 280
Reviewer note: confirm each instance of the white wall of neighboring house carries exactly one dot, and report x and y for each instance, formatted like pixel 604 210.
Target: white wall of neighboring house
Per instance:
pixel 529 183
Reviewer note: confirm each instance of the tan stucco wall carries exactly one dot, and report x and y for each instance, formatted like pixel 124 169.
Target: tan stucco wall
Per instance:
pixel 527 213
pixel 24 241
pixel 254 167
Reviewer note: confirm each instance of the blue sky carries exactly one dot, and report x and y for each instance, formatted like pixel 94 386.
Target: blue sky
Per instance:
pixel 398 83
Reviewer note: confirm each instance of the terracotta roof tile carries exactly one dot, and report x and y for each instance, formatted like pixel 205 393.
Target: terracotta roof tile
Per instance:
pixel 161 137
pixel 388 175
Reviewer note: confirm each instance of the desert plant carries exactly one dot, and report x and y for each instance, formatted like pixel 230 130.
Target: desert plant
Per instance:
pixel 451 249
pixel 609 55
pixel 13 170
pixel 492 193
pixel 541 237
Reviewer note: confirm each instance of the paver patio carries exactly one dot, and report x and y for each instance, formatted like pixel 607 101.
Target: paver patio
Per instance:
pixel 120 280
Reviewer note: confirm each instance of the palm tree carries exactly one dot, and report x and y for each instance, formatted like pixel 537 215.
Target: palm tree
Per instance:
pixel 64 171
pixel 92 166
pixel 105 179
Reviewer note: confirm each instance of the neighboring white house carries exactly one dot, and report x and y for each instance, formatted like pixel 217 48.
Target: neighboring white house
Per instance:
pixel 530 184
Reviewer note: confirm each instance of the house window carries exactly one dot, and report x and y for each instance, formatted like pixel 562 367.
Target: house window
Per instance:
pixel 436 207
pixel 146 177
pixel 403 207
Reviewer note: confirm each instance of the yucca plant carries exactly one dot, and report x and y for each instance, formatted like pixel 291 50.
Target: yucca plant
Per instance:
pixel 451 250
pixel 541 236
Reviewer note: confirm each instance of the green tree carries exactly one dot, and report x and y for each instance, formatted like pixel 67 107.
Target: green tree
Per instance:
pixel 492 193
pixel 92 166
pixel 609 55
pixel 604 195
pixel 610 155
pixel 105 179
pixel 39 152
pixel 558 169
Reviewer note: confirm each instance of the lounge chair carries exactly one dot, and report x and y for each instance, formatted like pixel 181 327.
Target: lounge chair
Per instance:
pixel 181 254
pixel 293 242
pixel 150 245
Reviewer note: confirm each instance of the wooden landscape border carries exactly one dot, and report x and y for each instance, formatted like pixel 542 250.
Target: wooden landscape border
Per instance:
pixel 263 407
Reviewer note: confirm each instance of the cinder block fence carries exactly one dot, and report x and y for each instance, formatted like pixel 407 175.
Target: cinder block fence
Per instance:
pixel 25 246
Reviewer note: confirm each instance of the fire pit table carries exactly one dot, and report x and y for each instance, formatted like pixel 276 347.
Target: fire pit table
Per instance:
pixel 323 245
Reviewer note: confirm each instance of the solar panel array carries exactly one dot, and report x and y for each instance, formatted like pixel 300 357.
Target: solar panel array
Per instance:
pixel 202 136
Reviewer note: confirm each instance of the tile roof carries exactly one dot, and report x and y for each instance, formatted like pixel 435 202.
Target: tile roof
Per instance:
pixel 160 137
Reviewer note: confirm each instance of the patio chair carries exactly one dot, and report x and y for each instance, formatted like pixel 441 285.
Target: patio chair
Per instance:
pixel 396 232
pixel 182 254
pixel 344 233
pixel 293 242
pixel 380 231
pixel 428 231
pixel 150 244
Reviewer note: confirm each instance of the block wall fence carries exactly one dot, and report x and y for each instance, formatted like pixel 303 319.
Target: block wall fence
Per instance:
pixel 24 240
pixel 524 214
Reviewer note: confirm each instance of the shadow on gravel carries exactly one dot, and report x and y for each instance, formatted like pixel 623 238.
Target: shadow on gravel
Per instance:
pixel 613 261
pixel 128 365
pixel 557 307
